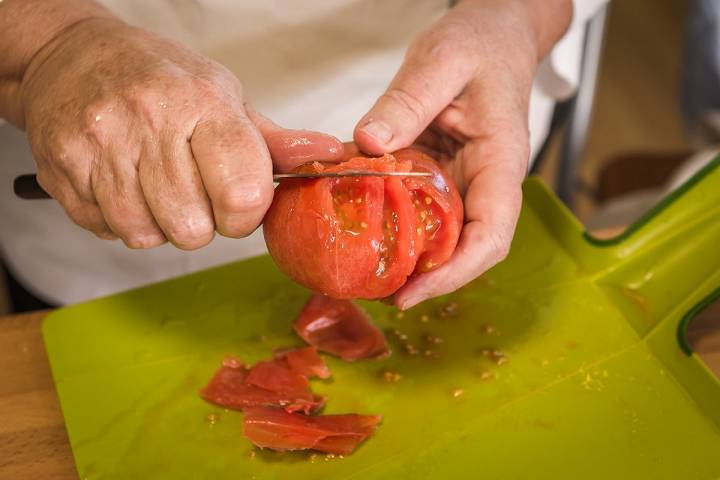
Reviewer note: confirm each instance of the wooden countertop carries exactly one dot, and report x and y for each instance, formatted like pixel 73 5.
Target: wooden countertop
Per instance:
pixel 33 441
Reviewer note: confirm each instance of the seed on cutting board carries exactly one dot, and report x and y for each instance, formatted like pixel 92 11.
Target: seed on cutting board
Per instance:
pixel 411 349
pixel 424 318
pixel 489 329
pixel 252 454
pixel 433 339
pixel 430 354
pixel 497 356
pixel 400 335
pixel 313 457
pixel 449 310
pixel 485 375
pixel 390 377
pixel 399 315
pixel 458 392
pixel 211 419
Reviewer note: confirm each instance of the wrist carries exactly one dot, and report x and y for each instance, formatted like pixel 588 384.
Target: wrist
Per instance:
pixel 536 24
pixel 550 20
pixel 26 30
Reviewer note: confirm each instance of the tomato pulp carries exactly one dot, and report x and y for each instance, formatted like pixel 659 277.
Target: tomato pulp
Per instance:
pixel 362 237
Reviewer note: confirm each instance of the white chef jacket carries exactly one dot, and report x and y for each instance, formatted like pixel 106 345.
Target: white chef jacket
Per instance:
pixel 309 64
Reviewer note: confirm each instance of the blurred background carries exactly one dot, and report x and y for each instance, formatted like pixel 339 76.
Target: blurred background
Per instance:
pixel 636 121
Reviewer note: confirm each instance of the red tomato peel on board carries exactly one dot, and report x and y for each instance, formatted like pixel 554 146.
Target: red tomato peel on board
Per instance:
pixel 305 361
pixel 362 237
pixel 272 384
pixel 341 328
pixel 279 430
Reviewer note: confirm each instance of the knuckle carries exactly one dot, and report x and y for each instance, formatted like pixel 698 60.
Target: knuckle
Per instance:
pixel 237 227
pixel 94 121
pixel 141 241
pixel 87 217
pixel 149 104
pixel 218 83
pixel 434 45
pixel 408 102
pixel 251 197
pixel 191 232
pixel 63 150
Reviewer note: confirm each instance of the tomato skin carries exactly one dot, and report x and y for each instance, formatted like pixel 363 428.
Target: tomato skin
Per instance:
pixel 340 328
pixel 363 237
pixel 281 431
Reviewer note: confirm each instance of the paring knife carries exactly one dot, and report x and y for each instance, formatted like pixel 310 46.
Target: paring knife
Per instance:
pixel 27 186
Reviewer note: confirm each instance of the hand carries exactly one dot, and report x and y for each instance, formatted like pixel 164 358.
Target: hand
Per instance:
pixel 141 138
pixel 462 94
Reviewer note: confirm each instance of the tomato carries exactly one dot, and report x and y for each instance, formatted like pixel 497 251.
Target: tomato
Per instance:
pixel 363 237
pixel 281 382
pixel 341 328
pixel 281 431
pixel 304 361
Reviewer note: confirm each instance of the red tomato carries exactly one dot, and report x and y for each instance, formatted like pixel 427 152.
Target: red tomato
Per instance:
pixel 304 361
pixel 341 328
pixel 273 383
pixel 362 237
pixel 281 431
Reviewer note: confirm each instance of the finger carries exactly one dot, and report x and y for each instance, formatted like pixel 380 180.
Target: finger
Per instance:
pixel 434 72
pixel 350 150
pixel 236 169
pixel 84 214
pixel 492 206
pixel 173 190
pixel 116 185
pixel 292 148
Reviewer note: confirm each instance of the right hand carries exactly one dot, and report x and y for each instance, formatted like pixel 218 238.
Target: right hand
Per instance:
pixel 143 139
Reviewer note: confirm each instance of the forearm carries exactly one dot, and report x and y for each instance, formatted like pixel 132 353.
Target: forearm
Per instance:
pixel 26 26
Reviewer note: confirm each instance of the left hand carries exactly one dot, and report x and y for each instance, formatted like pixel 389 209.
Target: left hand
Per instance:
pixel 462 94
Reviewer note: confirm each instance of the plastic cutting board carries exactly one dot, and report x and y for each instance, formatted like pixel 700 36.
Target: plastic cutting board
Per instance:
pixel 597 380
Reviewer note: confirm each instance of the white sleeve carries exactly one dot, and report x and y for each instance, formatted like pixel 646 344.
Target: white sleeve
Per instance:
pixel 558 74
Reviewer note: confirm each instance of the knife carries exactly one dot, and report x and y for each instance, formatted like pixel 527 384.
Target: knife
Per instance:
pixel 28 188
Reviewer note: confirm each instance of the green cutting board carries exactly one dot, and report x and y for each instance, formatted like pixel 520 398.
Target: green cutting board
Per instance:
pixel 598 381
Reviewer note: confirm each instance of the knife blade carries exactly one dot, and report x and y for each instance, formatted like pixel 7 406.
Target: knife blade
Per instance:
pixel 28 188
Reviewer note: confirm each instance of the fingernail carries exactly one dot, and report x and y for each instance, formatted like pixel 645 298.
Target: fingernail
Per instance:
pixel 379 130
pixel 411 302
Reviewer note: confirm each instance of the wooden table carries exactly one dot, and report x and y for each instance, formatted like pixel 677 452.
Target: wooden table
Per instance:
pixel 33 442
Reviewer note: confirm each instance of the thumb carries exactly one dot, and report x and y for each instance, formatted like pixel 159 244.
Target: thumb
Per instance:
pixel 433 73
pixel 291 148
